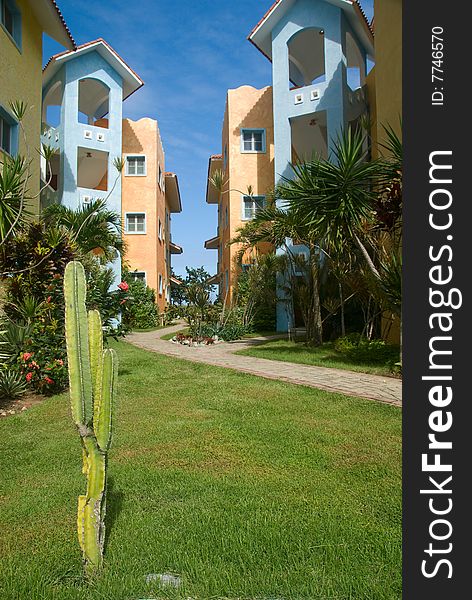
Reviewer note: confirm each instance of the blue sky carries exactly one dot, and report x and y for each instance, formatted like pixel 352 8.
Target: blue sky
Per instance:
pixel 188 53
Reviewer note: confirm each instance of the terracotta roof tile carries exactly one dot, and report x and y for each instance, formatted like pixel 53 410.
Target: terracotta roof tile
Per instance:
pixel 54 3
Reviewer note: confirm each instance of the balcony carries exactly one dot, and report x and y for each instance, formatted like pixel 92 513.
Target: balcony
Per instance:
pixel 213 243
pixel 175 249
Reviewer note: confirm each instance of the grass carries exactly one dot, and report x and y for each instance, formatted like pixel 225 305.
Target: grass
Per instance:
pixel 169 336
pixel 146 329
pixel 325 356
pixel 248 488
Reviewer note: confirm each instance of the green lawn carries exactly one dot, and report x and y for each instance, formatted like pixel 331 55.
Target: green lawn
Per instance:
pixel 248 488
pixel 325 356
pixel 169 336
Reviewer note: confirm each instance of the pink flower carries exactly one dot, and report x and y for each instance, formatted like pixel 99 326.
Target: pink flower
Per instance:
pixel 33 365
pixel 48 380
pixel 29 377
pixel 123 286
pixel 27 356
pixel 60 361
pixel 123 301
pixel 48 299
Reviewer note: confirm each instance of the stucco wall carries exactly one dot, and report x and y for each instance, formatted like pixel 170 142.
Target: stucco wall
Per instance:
pixel 246 108
pixel 21 79
pixel 143 194
pixel 388 64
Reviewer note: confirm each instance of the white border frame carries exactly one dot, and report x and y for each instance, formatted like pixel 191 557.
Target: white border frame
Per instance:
pixel 135 155
pixel 136 212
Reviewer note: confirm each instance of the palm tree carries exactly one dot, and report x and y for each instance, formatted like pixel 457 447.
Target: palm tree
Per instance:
pixel 277 227
pixel 334 198
pixel 92 227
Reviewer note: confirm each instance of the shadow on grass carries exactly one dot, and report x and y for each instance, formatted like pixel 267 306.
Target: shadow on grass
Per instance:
pixel 114 507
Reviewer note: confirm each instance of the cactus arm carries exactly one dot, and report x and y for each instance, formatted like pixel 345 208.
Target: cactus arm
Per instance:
pixel 102 423
pixel 77 344
pixel 95 336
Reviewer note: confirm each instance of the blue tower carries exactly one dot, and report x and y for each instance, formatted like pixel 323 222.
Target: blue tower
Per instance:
pixel 318 50
pixel 83 92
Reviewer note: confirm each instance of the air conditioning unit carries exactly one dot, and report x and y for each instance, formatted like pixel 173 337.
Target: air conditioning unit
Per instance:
pixel 87 134
pixel 315 95
pixel 100 137
pixel 87 199
pixel 298 98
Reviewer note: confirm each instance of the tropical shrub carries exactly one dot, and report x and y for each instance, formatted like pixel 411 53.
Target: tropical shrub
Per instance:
pixel 360 349
pixel 140 310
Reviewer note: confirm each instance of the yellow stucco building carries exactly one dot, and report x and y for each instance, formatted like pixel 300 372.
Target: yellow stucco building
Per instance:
pixel 385 81
pixel 246 161
pixel 22 24
pixel 150 196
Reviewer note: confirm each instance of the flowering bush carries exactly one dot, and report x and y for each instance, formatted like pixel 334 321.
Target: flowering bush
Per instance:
pixel 43 374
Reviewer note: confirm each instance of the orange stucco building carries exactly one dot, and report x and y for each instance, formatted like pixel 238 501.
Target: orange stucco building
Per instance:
pixel 150 196
pixel 246 161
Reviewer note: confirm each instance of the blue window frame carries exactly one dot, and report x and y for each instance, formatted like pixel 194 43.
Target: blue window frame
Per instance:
pixel 253 140
pixel 8 133
pixel 251 205
pixel 10 18
pixel 225 157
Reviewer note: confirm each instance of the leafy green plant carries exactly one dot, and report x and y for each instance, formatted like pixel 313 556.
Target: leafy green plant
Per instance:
pixel 11 384
pixel 92 378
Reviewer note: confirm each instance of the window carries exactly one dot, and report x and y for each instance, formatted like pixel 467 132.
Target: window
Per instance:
pixel 138 276
pixel 136 166
pixel 8 132
pixel 227 280
pixel 135 223
pixel 226 217
pixel 159 229
pixel 160 284
pixel 161 178
pixel 5 135
pixel 225 157
pixel 251 205
pixel 10 18
pixel 253 140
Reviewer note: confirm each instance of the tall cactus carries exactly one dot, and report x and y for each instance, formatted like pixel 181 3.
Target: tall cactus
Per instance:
pixel 92 379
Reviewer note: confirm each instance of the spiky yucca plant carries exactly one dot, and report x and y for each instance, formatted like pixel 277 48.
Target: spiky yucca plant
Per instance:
pixel 92 378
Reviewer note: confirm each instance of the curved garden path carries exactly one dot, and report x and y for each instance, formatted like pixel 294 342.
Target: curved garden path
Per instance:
pixel 362 385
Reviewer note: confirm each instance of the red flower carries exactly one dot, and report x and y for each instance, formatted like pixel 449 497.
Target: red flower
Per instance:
pixel 123 286
pixel 48 299
pixel 29 377
pixel 27 356
pixel 48 380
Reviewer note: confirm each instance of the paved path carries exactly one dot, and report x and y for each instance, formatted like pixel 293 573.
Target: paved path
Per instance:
pixel 363 385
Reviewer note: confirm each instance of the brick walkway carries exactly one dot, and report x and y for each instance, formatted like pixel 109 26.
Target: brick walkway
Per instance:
pixel 363 385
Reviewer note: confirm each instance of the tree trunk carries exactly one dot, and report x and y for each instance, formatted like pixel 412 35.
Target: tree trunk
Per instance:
pixel 368 260
pixel 314 333
pixel 341 300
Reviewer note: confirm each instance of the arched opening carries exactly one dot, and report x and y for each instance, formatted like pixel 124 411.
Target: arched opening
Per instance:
pixel 94 103
pixel 52 103
pixel 92 169
pixel 306 56
pixel 355 64
pixel 309 134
